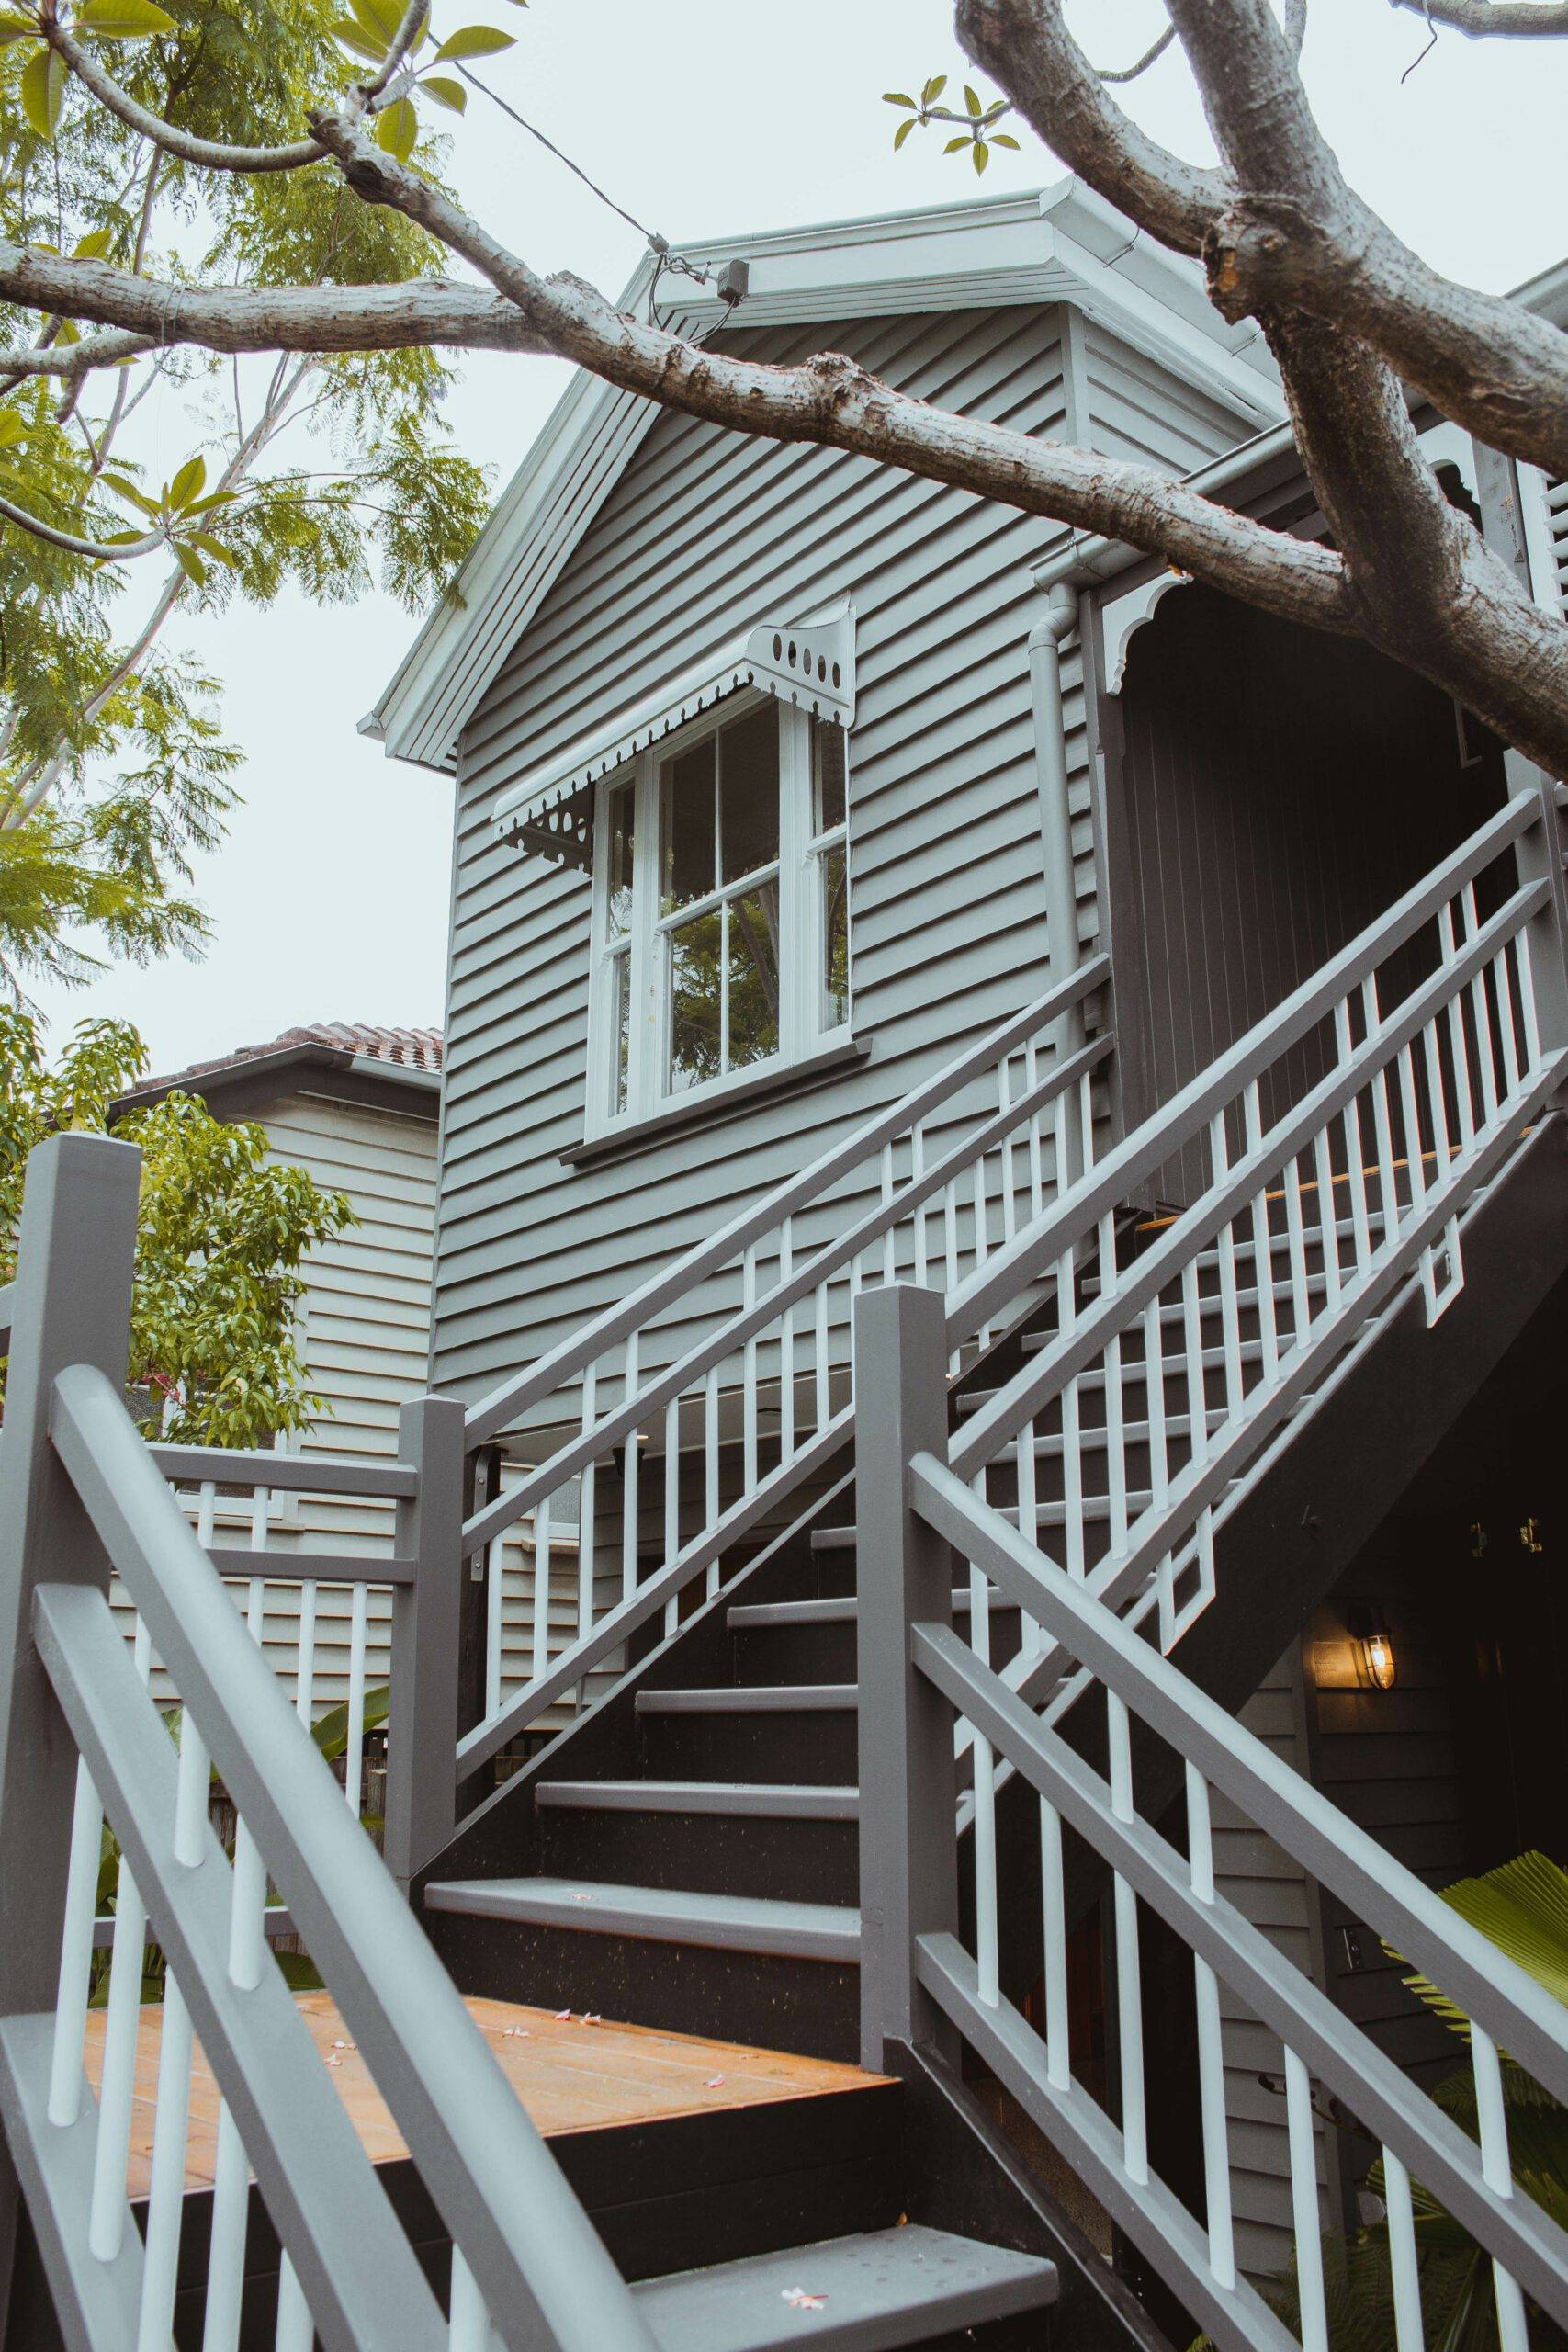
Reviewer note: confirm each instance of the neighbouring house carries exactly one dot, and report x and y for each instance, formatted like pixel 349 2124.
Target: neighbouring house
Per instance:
pixel 779 780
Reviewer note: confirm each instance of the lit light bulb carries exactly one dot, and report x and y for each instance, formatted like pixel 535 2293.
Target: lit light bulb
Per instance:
pixel 1380 1661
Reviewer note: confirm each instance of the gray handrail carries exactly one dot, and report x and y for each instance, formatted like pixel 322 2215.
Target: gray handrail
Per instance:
pixel 493 1413
pixel 1081 1208
pixel 313 1473
pixel 1502 1998
pixel 1115 1178
pixel 746 1322
pixel 539 2263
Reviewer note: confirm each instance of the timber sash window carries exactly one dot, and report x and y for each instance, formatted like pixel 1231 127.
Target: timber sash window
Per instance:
pixel 720 909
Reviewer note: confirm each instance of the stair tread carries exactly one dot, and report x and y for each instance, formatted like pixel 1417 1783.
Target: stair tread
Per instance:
pixel 829 1609
pixel 772 1800
pixel 885 2289
pixel 742 1699
pixel 664 1915
pixel 1095 1508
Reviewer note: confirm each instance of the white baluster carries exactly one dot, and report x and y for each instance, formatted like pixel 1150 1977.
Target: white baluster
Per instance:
pixel 1230 1310
pixel 1464 1100
pixel 468 2328
pixel 1058 2049
pixel 1115 1415
pixel 226 2252
pixel 1403 2266
pixel 587 1507
pixel 117 2089
pixel 710 1466
pixel 1129 1983
pixel 1159 1456
pixel 1072 1456
pixel 1497 2170
pixel 786 1347
pixel 749 1425
pixel 495 1617
pixel 1327 1221
pixel 1028 1515
pixel 916 1170
pixel 987 1926
pixel 820 1299
pixel 541 1630
pixel 1304 2212
pixel 354 1750
pixel 1262 1245
pixel 1499 968
pixel 1211 2051
pixel 76 1950
pixel 247 1912
pixel 1382 1118
pixel 1485 1057
pixel 672 1504
pixel 166 2202
pixel 629 1482
pixel 889 1239
pixel 1360 1224
pixel 1009 1199
pixel 296 2329
pixel 1295 1241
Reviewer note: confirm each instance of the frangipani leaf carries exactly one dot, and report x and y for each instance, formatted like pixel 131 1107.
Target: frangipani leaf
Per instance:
pixel 397 128
pixel 474 40
pixel 123 19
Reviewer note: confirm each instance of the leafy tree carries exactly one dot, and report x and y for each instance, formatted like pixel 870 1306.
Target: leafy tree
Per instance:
pixel 221 1238
pixel 324 471
pixel 280 121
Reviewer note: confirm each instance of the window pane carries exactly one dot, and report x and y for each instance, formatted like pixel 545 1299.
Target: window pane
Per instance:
pixel 618 896
pixel 695 1000
pixel 620 1029
pixel 754 976
pixel 834 872
pixel 828 769
pixel 688 819
pixel 749 774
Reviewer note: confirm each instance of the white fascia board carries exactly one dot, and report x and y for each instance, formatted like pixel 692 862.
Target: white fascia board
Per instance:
pixel 1060 245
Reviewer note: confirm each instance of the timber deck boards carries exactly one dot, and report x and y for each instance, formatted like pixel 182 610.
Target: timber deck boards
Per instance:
pixel 571 2074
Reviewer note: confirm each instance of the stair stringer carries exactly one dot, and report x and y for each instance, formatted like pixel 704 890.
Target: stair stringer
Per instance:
pixel 1319 1492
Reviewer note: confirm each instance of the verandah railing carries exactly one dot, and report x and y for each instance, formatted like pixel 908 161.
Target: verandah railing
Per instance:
pixel 932 1187
pixel 82 1741
pixel 922 1681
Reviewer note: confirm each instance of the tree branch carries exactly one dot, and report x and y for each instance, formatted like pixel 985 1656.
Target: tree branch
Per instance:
pixel 271 318
pixel 212 154
pixel 68 359
pixel 1025 46
pixel 70 544
pixel 1486 20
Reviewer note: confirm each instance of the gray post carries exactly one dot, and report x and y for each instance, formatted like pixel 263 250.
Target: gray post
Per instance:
pixel 421 1759
pixel 1046 641
pixel 909 1859
pixel 71 1304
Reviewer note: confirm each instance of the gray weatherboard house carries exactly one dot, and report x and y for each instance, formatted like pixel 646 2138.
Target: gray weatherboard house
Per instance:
pixel 1044 749
pixel 999 1260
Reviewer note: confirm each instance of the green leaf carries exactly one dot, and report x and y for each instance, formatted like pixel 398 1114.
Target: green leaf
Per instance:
pixel 122 539
pixel 982 155
pixel 474 40
pixel 972 100
pixel 331 1730
pixel 10 428
pixel 954 145
pixel 214 498
pixel 122 20
pixel 397 128
pixel 15 28
pixel 446 92
pixel 67 331
pixel 1005 139
pixel 380 19
pixel 94 245
pixel 1522 1907
pixel 902 133
pixel 214 547
pixel 898 98
pixel 43 91
pixel 348 32
pixel 188 483
pixel 933 90
pixel 191 564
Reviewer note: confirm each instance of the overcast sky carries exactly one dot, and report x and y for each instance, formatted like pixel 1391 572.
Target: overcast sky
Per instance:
pixel 329 898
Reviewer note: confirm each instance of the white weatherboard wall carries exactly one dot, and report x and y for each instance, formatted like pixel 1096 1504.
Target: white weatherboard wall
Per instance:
pixel 703 534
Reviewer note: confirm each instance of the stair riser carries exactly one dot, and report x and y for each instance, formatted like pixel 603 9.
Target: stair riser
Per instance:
pixel 776 1654
pixel 818 1748
pixel 803 1862
pixel 760 1998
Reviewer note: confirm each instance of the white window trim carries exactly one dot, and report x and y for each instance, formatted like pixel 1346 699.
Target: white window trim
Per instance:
pixel 803 1035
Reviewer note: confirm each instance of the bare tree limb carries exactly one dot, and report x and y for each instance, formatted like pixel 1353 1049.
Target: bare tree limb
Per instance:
pixel 159 314
pixel 69 543
pixel 213 155
pixel 1025 46
pixel 1489 19
pixel 1151 56
pixel 1296 236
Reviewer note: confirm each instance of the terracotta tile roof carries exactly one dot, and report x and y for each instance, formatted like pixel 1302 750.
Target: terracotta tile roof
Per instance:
pixel 410 1048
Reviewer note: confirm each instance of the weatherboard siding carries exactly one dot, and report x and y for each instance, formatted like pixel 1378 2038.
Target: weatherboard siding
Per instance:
pixel 704 535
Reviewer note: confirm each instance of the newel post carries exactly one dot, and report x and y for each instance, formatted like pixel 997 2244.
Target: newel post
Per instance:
pixel 71 1304
pixel 421 1753
pixel 909 1860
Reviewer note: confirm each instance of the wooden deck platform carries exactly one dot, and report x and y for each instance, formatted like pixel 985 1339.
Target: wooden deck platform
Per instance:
pixel 572 2073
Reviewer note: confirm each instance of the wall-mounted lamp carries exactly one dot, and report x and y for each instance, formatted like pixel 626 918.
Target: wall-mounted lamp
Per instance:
pixel 1368 1630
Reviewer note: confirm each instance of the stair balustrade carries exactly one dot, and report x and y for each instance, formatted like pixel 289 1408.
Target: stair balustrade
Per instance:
pixel 84 1747
pixel 762 1403
pixel 1442 2189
